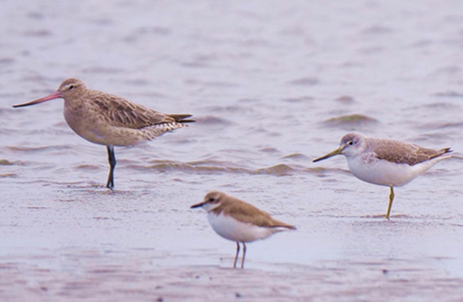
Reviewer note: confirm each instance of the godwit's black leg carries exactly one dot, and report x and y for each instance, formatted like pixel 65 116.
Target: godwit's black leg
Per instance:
pixel 112 165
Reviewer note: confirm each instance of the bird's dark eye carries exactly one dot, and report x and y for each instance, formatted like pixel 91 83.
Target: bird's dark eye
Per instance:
pixel 351 143
pixel 212 199
pixel 71 87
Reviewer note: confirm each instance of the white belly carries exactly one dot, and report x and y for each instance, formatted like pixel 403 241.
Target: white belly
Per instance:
pixel 237 231
pixel 385 173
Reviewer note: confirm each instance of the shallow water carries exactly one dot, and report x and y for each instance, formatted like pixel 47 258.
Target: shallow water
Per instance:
pixel 266 82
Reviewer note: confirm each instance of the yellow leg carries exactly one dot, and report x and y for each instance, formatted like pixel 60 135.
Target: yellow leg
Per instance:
pixel 391 198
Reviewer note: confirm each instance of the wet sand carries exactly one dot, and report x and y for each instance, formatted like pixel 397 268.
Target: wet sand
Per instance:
pixel 72 244
pixel 272 86
pixel 209 283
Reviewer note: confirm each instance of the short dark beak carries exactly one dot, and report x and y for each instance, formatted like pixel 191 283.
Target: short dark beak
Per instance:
pixel 198 205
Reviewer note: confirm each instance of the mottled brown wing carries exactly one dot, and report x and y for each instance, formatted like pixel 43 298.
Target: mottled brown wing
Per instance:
pixel 121 112
pixel 404 153
pixel 246 212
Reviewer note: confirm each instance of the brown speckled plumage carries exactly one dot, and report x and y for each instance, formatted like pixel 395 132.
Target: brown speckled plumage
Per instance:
pixel 400 152
pixel 110 120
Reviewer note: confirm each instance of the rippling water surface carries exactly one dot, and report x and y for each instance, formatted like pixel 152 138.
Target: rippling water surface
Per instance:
pixel 270 84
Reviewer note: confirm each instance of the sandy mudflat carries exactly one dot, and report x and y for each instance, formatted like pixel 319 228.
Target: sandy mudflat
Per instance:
pixel 136 281
pixel 270 84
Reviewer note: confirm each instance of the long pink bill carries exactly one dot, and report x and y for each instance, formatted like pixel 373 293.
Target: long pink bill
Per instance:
pixel 54 95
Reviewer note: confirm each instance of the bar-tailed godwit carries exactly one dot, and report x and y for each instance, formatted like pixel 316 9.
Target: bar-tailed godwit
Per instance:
pixel 386 162
pixel 110 120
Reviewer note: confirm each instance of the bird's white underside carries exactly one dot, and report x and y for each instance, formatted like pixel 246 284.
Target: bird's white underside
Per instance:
pixel 386 173
pixel 232 229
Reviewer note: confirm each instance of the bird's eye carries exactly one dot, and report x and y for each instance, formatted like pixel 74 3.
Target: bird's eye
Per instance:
pixel 212 199
pixel 71 87
pixel 351 143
